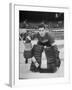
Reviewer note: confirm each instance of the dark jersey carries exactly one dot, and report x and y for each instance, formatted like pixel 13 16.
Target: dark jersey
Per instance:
pixel 46 38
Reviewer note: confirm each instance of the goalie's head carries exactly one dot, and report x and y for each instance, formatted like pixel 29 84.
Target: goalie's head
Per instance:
pixel 42 29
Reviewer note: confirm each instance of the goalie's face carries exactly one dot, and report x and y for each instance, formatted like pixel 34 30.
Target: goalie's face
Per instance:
pixel 42 31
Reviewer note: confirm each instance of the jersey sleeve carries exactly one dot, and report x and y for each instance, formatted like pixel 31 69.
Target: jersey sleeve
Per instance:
pixel 51 38
pixel 34 36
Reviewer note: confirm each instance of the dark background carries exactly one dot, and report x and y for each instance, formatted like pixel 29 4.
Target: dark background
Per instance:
pixel 36 16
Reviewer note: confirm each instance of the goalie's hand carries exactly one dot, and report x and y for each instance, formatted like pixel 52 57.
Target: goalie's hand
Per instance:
pixel 28 37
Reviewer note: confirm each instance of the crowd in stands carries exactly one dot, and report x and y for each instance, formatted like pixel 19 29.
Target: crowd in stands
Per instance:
pixel 32 28
pixel 58 24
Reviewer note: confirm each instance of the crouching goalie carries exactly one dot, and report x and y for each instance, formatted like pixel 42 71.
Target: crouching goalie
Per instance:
pixel 46 43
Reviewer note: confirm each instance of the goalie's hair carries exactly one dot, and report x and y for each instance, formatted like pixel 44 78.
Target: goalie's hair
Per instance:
pixel 41 26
